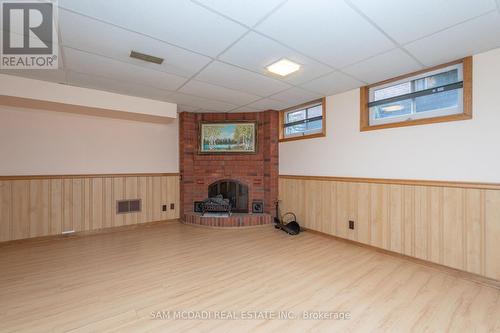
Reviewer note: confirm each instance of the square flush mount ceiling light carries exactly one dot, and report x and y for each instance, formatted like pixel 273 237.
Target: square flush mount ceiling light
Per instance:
pixel 283 67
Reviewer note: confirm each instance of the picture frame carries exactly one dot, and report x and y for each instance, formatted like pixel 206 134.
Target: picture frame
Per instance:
pixel 232 137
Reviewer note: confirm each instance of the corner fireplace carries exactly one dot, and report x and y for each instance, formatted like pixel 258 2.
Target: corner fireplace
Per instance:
pixel 235 191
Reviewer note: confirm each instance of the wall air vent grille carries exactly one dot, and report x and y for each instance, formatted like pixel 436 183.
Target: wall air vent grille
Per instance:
pixel 146 57
pixel 128 206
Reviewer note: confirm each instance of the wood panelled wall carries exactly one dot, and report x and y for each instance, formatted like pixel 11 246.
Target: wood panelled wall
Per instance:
pixel 453 225
pixel 49 205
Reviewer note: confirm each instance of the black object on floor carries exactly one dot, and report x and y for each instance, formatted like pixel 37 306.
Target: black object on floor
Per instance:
pixel 287 222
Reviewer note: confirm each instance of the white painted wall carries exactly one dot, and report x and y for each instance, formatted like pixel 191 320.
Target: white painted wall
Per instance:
pixel 36 142
pixel 462 151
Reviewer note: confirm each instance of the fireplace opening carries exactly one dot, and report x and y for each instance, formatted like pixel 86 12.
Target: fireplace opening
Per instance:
pixel 236 192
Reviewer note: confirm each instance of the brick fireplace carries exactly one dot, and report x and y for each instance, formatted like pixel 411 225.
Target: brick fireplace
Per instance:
pixel 259 172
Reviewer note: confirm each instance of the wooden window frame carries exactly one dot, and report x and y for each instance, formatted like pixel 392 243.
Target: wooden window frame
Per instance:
pixel 282 137
pixel 467 99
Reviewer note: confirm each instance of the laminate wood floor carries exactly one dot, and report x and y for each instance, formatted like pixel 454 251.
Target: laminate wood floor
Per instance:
pixel 118 281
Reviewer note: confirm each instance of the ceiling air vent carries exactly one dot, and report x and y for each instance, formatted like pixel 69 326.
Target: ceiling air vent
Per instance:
pixel 128 206
pixel 146 57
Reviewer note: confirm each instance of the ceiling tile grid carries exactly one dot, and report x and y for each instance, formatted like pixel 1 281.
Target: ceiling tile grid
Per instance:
pixel 216 51
pixel 91 64
pixel 255 52
pixel 388 64
pixel 410 20
pixel 296 96
pixel 80 32
pixel 179 22
pixel 201 102
pixel 218 93
pixel 327 30
pixel 472 37
pixel 106 84
pixel 248 12
pixel 232 77
pixel 270 104
pixel 245 109
pixel 333 83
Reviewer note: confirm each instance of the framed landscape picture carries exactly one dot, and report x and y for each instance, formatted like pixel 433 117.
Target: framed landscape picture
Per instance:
pixel 228 138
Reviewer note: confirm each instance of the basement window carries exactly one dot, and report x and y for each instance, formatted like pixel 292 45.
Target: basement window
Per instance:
pixel 438 94
pixel 303 121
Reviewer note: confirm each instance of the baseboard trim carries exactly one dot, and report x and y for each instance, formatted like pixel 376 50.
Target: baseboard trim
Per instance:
pixel 87 233
pixel 448 270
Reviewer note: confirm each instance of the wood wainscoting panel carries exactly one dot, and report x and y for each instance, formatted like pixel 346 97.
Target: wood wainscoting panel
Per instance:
pixel 156 195
pixel 173 196
pixel 436 233
pixel 87 207
pixel 408 222
pixel 98 203
pixel 20 219
pixel 40 206
pixel 76 205
pixel 395 218
pixel 131 193
pixel 67 207
pixel 165 195
pixel 453 246
pixel 474 230
pixel 379 216
pixel 5 211
pixel 143 193
pixel 438 222
pixel 363 214
pixel 492 235
pixel 118 193
pixel 56 199
pixel 109 203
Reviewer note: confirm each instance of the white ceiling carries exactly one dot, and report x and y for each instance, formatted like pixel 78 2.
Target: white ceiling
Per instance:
pixel 216 51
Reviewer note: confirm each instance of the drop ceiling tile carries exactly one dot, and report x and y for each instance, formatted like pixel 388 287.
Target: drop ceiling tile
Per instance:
pixel 200 102
pixel 208 111
pixel 51 75
pixel 295 96
pixel 179 22
pixel 232 77
pixel 244 109
pixel 91 64
pixel 269 104
pixel 187 108
pixel 113 42
pixel 406 21
pixel 256 52
pixel 101 83
pixel 383 66
pixel 327 30
pixel 248 12
pixel 332 84
pixel 475 36
pixel 217 93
